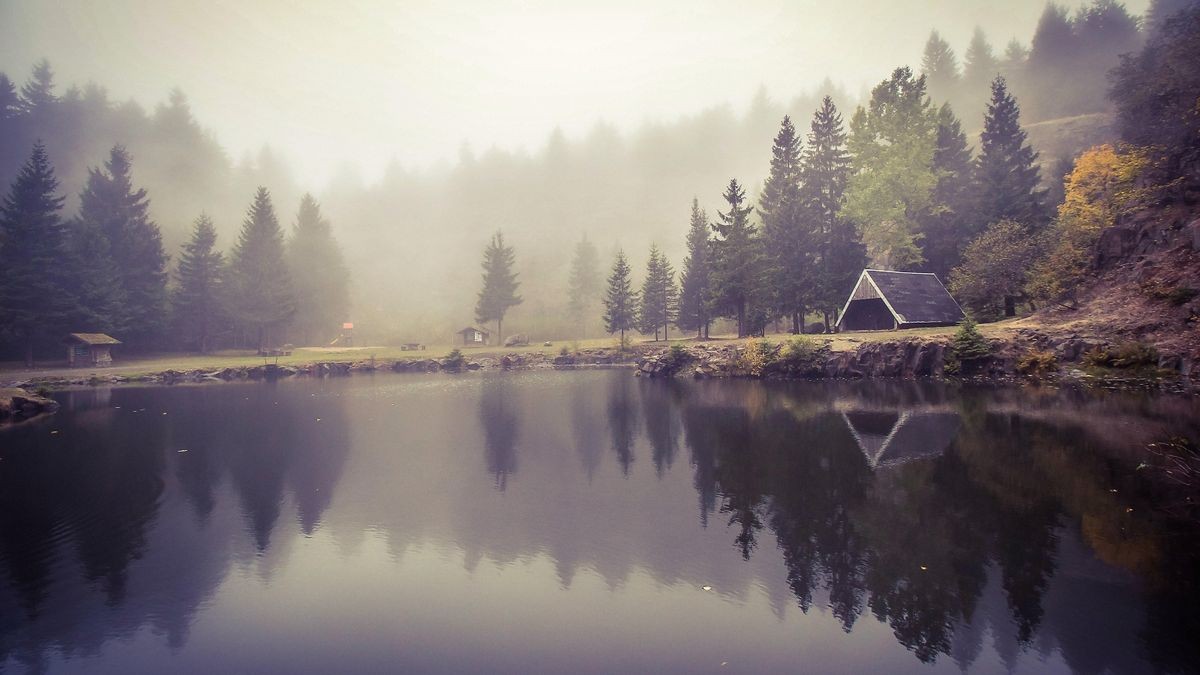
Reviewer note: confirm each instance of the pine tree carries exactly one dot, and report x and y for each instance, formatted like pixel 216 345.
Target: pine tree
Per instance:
pixel 940 68
pixel 258 287
pixel 584 284
pixel 110 203
pixel 979 68
pixel 620 300
pixel 95 280
pixel 825 172
pixel 499 292
pixel 319 275
pixel 197 298
pixel 695 312
pixel 10 103
pixel 1006 172
pixel 35 300
pixel 37 94
pixel 789 240
pixel 949 225
pixel 659 295
pixel 737 260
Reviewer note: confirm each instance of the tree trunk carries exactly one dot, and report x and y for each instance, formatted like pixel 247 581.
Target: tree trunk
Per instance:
pixel 665 328
pixel 801 322
pixel 500 331
pixel 741 319
pixel 1010 306
pixel 795 323
pixel 826 313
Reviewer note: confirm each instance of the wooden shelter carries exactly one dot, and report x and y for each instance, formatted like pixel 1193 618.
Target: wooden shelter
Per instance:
pixel 888 300
pixel 90 349
pixel 475 337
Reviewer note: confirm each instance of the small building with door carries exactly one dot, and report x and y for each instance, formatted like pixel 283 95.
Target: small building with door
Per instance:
pixel 90 349
pixel 475 337
pixel 889 300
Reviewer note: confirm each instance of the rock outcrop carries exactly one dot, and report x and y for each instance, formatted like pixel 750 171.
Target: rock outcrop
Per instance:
pixel 17 405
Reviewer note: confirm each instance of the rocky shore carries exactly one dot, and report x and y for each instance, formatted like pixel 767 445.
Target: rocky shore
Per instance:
pixel 18 405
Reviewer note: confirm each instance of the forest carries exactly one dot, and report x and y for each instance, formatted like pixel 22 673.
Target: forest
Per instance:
pixel 137 223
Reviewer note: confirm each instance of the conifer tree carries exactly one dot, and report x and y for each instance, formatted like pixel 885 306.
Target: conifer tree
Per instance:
pixel 320 278
pixel 35 300
pixel 10 103
pixel 1006 172
pixel 499 292
pixel 620 300
pixel 197 298
pixel 584 284
pixel 949 223
pixel 738 259
pixel 659 295
pixel 95 280
pixel 980 66
pixel 258 287
pixel 788 234
pixel 695 298
pixel 940 68
pixel 37 94
pixel 110 203
pixel 825 173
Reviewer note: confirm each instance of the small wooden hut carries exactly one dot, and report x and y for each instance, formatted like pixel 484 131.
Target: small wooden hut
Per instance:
pixel 888 300
pixel 474 337
pixel 90 349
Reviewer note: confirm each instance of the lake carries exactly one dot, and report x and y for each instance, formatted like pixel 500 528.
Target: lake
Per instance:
pixel 595 522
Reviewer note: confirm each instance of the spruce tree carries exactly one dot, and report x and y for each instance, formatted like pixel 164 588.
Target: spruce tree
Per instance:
pixel 10 103
pixel 659 295
pixel 695 298
pixel 825 173
pixel 197 298
pixel 110 203
pixel 95 280
pixel 949 223
pixel 37 94
pixel 499 292
pixel 980 66
pixel 620 300
pixel 940 67
pixel 584 285
pixel 258 287
pixel 1006 172
pixel 319 274
pixel 35 299
pixel 788 235
pixel 738 259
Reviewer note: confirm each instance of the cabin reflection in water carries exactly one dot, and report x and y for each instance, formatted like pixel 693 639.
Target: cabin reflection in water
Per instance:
pixel 888 438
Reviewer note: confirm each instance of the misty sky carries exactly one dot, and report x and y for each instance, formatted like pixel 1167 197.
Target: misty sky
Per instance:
pixel 329 83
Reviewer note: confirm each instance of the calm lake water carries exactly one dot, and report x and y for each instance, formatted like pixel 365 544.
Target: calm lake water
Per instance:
pixel 594 522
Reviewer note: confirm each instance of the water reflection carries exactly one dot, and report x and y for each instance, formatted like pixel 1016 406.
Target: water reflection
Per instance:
pixel 979 527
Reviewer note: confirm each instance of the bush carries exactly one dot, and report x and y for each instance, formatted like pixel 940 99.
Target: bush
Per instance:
pixel 756 358
pixel 798 355
pixel 1037 363
pixel 675 358
pixel 968 343
pixel 454 360
pixel 1127 355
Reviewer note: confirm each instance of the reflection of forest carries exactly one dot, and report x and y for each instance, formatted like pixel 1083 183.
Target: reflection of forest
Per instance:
pixel 953 517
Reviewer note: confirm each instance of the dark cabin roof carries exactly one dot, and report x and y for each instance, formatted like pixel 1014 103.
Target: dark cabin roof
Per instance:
pixel 914 297
pixel 470 329
pixel 92 339
pixel 888 439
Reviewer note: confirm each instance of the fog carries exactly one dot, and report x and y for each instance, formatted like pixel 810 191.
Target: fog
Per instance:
pixel 422 128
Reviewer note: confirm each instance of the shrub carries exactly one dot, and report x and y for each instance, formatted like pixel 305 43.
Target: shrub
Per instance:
pixel 564 352
pixel 675 358
pixel 798 355
pixel 1037 363
pixel 969 343
pixel 757 357
pixel 1127 355
pixel 454 360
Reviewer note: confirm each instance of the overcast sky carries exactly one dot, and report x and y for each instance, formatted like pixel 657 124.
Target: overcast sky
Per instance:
pixel 355 81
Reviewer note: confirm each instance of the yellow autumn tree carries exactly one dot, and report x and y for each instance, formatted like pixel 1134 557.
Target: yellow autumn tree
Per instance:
pixel 1101 187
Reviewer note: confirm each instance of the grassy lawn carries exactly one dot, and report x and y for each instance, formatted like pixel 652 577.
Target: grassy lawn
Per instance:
pixel 13 372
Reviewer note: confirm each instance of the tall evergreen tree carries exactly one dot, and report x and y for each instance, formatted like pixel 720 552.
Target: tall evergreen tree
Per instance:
pixel 825 171
pixel 1006 170
pixel 940 67
pixel 258 287
pixel 10 103
pixel 95 280
pixel 584 284
pixel 319 274
pixel 110 203
pixel 789 240
pixel 981 64
pixel 35 301
pixel 948 225
pixel 499 292
pixel 695 297
pixel 659 296
pixel 197 298
pixel 893 142
pixel 737 259
pixel 37 94
pixel 620 300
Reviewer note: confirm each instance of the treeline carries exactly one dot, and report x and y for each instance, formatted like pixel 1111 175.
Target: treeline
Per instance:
pixel 105 269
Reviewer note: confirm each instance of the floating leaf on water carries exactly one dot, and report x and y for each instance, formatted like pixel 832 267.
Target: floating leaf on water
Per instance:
pixel 183 450
pixel 706 588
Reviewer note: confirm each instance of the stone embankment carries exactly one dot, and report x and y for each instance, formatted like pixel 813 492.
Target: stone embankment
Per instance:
pixel 18 405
